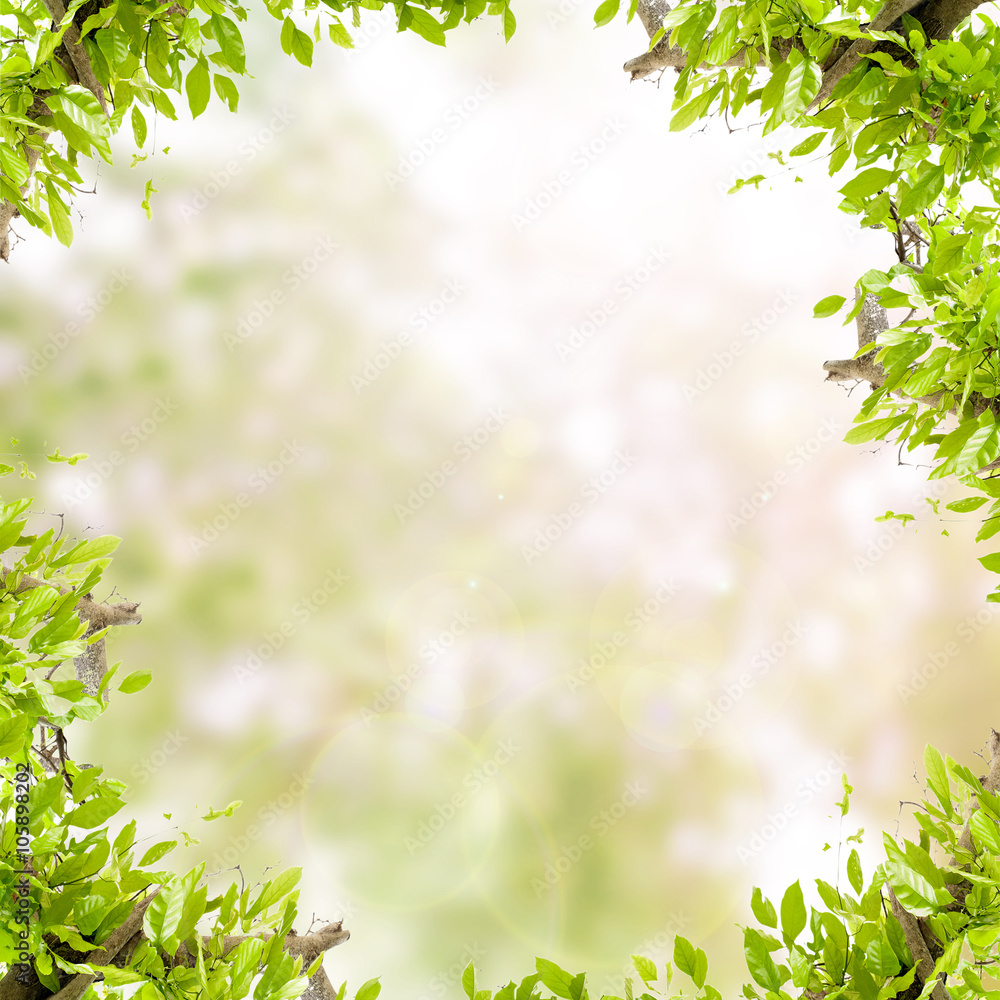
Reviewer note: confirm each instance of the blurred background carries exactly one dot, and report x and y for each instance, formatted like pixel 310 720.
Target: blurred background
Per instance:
pixel 495 538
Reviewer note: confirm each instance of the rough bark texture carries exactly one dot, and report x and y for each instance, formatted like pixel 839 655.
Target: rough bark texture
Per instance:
pixel 918 946
pixel 870 322
pixel 80 61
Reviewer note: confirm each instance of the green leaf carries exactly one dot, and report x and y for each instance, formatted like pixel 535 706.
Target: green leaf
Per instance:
pixel 369 990
pixel 763 909
pixel 527 988
pixel 469 980
pixel 114 976
pixel 828 306
pixel 914 891
pixel 77 114
pixel 947 254
pixel 156 852
pixel 807 145
pixel 59 214
pixel 854 871
pixel 14 166
pixel 868 182
pixel 557 980
pixel 801 968
pixel 981 447
pixel 606 12
pixel 690 960
pixel 296 42
pixel 759 960
pixel 723 43
pixel 94 812
pixel 963 506
pixel 226 90
pixel 230 42
pixel 135 681
pixel 12 732
pixel 991 562
pixel 793 912
pixel 771 93
pixel 802 85
pixel 138 126
pixel 978 115
pixel 473 9
pixel 937 773
pixel 94 548
pixel 424 24
pixel 339 35
pixel 873 429
pixel 278 889
pixel 509 23
pixel 690 112
pixel 880 957
pixel 646 967
pixel 985 832
pixel 198 88
pixel 922 192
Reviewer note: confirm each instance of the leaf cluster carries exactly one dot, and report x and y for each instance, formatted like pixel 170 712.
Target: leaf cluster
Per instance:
pixel 145 55
pixel 68 882
pixel 913 122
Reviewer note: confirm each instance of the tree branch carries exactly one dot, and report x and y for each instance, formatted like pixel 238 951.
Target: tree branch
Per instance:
pixel 92 663
pixel 890 12
pixel 80 68
pixel 941 17
pixel 309 946
pixel 77 53
pixel 918 947
pixel 991 783
pixel 117 950
pixel 76 986
pixel 870 322
pixel 8 210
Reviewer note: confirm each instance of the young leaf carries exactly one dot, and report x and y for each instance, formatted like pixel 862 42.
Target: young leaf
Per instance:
pixel 759 960
pixel 868 182
pixel 138 126
pixel 937 772
pixel 828 306
pixel 296 42
pixel 509 23
pixel 763 909
pixel 854 871
pixel 606 12
pixel 793 912
pixel 135 681
pixel 424 24
pixel 369 990
pixel 198 88
pixel 557 980
pixel 646 967
pixel 948 253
